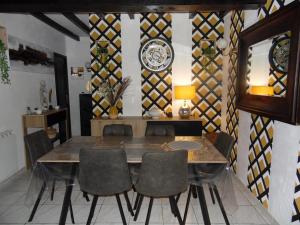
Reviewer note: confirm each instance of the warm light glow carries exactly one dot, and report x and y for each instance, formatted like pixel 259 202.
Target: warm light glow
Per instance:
pixel 261 90
pixel 185 92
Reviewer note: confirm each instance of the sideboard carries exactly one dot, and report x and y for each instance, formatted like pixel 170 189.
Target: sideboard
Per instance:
pixel 183 127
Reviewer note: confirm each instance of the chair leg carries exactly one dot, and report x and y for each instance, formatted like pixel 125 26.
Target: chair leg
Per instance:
pixel 187 204
pixel 72 214
pixel 221 205
pixel 53 189
pixel 121 209
pixel 149 211
pixel 172 208
pixel 85 195
pixel 212 195
pixel 202 201
pixel 92 210
pixel 136 201
pixel 138 207
pixel 128 204
pixel 37 202
pixel 194 191
pixel 176 210
pixel 178 197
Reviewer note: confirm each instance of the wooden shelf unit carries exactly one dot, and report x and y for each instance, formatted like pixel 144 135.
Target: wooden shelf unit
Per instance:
pixel 45 120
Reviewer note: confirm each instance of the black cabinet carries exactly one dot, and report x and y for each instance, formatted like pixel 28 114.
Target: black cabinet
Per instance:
pixel 182 128
pixel 86 113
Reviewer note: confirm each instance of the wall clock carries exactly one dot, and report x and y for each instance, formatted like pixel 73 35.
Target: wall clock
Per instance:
pixel 156 54
pixel 279 55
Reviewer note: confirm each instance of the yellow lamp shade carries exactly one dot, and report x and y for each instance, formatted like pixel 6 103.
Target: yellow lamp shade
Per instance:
pixel 185 92
pixel 261 90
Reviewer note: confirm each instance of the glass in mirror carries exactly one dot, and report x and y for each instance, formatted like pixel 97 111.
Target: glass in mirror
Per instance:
pixel 268 65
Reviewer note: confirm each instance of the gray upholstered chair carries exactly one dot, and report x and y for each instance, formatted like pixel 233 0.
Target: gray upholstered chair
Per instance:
pixel 160 130
pixel 206 173
pixel 38 144
pixel 162 174
pixel 117 130
pixel 104 173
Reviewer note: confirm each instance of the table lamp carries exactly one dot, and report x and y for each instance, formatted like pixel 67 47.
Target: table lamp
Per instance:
pixel 261 90
pixel 185 93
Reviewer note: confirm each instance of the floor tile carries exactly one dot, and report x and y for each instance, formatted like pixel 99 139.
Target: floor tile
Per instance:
pixel 15 214
pixel 247 214
pixel 156 214
pixel 169 218
pixel 111 214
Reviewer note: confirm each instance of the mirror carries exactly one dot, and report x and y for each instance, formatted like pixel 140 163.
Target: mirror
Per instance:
pixel 268 76
pixel 267 66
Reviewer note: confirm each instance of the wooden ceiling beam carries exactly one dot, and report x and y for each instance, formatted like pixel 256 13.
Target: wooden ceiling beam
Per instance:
pixel 75 20
pixel 125 6
pixel 55 25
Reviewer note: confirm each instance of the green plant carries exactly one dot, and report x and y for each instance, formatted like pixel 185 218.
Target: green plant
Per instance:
pixel 4 68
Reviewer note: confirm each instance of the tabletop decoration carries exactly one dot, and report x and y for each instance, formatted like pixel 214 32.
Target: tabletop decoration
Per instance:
pixel 113 94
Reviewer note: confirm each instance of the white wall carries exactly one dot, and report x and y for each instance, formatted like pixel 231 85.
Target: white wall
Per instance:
pixel 24 90
pixel 78 53
pixel 284 157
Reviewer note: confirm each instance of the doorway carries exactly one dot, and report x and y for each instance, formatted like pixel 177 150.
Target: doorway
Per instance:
pixel 62 92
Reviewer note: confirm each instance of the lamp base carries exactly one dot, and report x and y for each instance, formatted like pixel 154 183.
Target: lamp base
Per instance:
pixel 184 112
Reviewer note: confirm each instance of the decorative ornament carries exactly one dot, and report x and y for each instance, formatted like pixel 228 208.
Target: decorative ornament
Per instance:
pixel 279 55
pixel 156 55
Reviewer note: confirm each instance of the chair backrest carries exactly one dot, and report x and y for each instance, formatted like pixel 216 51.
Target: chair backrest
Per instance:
pixel 160 130
pixel 103 171
pixel 117 130
pixel 224 143
pixel 163 174
pixel 38 144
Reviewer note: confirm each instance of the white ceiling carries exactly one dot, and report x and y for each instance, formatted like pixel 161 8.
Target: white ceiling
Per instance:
pixel 66 23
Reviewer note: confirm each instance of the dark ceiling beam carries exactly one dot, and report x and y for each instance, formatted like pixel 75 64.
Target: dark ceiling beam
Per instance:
pixel 55 25
pixel 125 6
pixel 75 20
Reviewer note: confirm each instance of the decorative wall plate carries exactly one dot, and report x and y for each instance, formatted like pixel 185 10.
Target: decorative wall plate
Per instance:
pixel 279 55
pixel 156 54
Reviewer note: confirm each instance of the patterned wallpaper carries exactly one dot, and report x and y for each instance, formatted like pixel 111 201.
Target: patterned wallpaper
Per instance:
pixel 156 87
pixel 232 114
pixel 107 28
pixel 207 71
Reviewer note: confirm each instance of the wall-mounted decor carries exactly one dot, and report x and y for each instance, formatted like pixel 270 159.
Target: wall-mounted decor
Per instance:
pixel 279 54
pixel 156 54
pixel 30 56
pixel 260 38
pixel 77 72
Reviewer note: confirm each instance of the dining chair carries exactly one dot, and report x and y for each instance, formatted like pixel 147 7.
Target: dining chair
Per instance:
pixel 104 172
pixel 162 175
pixel 207 173
pixel 117 130
pixel 38 144
pixel 160 130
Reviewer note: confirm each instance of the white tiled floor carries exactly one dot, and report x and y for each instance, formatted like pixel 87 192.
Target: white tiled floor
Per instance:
pixel 13 209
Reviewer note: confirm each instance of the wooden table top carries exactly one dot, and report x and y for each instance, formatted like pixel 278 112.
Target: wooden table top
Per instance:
pixel 68 152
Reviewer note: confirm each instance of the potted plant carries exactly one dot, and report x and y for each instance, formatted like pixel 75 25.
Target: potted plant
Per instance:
pixel 4 68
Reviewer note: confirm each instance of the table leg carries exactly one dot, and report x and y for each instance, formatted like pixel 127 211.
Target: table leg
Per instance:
pixel 67 198
pixel 203 205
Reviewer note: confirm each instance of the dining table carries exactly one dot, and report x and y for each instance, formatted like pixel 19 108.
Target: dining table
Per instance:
pixel 200 151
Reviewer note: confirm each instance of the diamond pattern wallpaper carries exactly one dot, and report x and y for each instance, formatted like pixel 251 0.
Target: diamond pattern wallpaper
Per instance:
pixel 107 28
pixel 156 87
pixel 260 155
pixel 207 70
pixel 232 116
